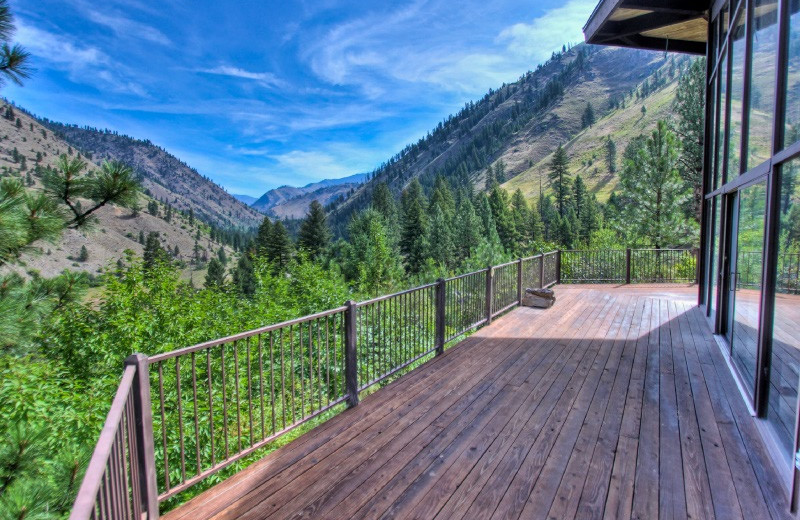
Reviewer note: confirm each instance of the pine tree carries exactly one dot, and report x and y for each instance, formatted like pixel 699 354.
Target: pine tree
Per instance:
pixel 500 172
pixel 611 155
pixel 587 119
pixel 690 108
pixel 153 252
pixel 221 256
pixel 370 260
pixel 651 180
pixel 383 202
pixel 467 230
pixel 314 237
pixel 490 178
pixel 243 276
pixel 279 248
pixel 215 277
pixel 559 179
pixel 141 237
pixel 83 255
pixel 498 200
pixel 520 213
pixel 263 235
pixel 440 239
pixel 535 226
pixel 412 238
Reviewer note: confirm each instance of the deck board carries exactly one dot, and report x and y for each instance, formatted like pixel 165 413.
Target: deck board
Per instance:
pixel 615 403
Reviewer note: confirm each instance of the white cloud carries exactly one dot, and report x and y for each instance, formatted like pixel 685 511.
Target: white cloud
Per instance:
pixel 126 28
pixel 544 34
pixel 313 164
pixel 83 63
pixel 265 78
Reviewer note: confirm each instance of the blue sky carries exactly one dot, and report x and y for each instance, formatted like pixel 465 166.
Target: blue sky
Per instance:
pixel 256 94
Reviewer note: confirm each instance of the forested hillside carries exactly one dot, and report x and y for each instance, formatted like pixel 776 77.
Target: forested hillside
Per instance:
pixel 520 125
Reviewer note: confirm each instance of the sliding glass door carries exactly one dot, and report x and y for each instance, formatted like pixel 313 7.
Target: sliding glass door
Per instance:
pixel 744 288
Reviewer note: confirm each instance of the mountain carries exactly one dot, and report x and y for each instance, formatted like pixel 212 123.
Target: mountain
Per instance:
pixel 522 123
pixel 27 148
pixel 163 176
pixel 247 199
pixel 292 202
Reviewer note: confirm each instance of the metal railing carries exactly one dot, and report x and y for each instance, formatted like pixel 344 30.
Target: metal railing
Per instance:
pixel 220 401
pixel 750 264
pixel 629 266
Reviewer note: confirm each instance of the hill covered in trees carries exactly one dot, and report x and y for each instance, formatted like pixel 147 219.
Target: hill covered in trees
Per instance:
pixel 519 125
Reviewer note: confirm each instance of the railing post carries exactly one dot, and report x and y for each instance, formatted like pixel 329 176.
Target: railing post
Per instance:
pixel 440 316
pixel 143 432
pixel 489 295
pixel 628 266
pixel 696 255
pixel 519 281
pixel 541 270
pixel 350 354
pixel 558 266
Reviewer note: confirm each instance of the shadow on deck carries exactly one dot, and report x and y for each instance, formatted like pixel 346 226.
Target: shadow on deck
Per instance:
pixel 614 403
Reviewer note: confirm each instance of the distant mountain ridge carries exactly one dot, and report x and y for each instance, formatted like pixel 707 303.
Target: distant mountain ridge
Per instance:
pixel 162 174
pixel 292 202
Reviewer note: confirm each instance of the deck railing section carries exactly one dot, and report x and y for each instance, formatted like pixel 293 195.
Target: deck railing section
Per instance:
pixel 220 401
pixel 750 263
pixel 629 266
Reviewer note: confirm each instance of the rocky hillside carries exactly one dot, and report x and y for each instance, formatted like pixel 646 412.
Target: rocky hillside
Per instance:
pixel 164 176
pixel 27 147
pixel 522 123
pixel 292 202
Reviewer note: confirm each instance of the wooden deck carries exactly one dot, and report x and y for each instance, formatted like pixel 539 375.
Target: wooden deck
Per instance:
pixel 614 403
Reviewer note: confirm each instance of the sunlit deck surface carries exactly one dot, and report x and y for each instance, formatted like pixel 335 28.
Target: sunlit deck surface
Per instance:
pixel 614 403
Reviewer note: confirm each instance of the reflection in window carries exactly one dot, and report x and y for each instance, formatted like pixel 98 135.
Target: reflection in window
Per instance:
pixel 792 103
pixel 737 53
pixel 762 82
pixel 721 114
pixel 715 241
pixel 785 357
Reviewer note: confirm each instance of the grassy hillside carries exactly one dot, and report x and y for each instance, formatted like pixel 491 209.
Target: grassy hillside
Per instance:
pixel 587 148
pixel 27 147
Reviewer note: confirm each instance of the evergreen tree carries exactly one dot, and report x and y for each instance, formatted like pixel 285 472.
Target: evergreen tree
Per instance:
pixel 279 248
pixel 152 208
pixel 580 196
pixel 153 251
pixel 243 276
pixel 587 119
pixel 215 277
pixel 689 106
pixel 221 256
pixel 467 230
pixel 490 178
pixel 370 260
pixel 484 211
pixel 652 181
pixel 141 237
pixel 314 237
pixel 520 213
pixel 559 179
pixel 83 255
pixel 412 239
pixel 440 239
pixel 263 235
pixel 611 155
pixel 535 226
pixel 383 202
pixel 498 201
pixel 500 172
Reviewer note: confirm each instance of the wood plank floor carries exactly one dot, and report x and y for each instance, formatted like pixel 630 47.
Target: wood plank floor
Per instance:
pixel 615 403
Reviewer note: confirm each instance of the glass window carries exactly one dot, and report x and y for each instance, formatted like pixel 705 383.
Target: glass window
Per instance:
pixel 785 357
pixel 714 257
pixel 737 53
pixel 792 102
pixel 721 114
pixel 724 21
pixel 762 82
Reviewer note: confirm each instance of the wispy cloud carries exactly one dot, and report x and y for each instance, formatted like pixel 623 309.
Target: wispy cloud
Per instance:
pixel 265 78
pixel 539 37
pixel 125 27
pixel 84 64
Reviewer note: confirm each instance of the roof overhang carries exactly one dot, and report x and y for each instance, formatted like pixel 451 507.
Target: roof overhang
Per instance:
pixel 664 25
